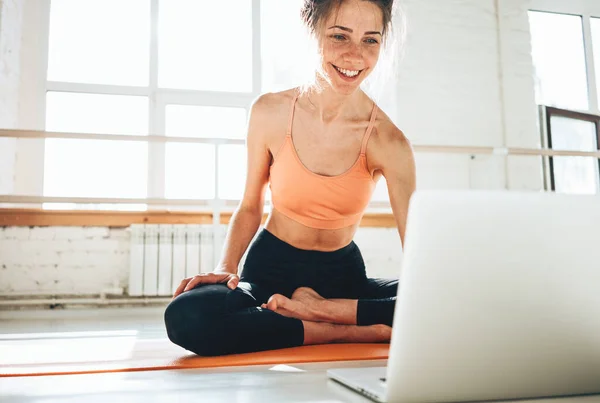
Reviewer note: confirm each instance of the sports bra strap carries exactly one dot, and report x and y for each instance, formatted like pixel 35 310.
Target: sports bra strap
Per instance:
pixel 289 128
pixel 363 147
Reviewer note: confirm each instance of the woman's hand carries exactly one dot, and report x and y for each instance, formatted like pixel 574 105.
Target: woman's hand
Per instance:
pixel 216 277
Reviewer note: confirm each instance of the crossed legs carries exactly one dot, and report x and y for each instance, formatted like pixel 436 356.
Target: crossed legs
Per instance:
pixel 370 315
pixel 214 320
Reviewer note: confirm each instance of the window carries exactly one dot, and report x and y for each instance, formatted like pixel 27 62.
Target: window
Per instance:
pixel 286 59
pixel 595 24
pixel 83 51
pixel 99 42
pixel 182 69
pixel 95 168
pixel 577 175
pixel 567 87
pixel 559 59
pixel 96 113
pixel 205 121
pixel 190 168
pixel 205 45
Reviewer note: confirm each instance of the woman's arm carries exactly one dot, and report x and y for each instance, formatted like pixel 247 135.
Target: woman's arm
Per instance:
pixel 397 161
pixel 247 217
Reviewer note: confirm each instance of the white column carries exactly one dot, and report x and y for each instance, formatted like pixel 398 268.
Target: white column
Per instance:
pixel 520 114
pixel 156 124
pixel 29 164
pixel 11 14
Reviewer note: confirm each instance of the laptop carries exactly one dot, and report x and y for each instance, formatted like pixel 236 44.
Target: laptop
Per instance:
pixel 499 299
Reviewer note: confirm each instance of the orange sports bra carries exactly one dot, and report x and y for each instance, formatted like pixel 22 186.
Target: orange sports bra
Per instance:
pixel 318 201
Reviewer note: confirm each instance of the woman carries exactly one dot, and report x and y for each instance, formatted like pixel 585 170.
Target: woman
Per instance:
pixel 322 149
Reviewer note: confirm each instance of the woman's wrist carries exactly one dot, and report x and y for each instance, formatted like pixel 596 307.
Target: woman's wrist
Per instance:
pixel 226 268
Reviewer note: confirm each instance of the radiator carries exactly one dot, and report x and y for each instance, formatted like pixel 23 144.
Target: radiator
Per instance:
pixel 163 255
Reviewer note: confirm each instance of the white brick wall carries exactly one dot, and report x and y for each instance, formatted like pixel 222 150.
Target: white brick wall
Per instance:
pixel 62 260
pixel 466 79
pixel 80 261
pixel 449 91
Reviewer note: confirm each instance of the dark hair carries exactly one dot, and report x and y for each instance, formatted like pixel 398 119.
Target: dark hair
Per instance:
pixel 314 12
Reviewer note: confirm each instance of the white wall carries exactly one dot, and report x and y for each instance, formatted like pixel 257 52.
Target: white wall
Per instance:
pixel 86 261
pixel 22 93
pixel 466 79
pixel 10 17
pixel 62 260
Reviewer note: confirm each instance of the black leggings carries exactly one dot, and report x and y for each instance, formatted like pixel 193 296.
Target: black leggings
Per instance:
pixel 215 320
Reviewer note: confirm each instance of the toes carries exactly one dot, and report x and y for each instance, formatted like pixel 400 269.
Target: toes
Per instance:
pixel 272 304
pixel 276 301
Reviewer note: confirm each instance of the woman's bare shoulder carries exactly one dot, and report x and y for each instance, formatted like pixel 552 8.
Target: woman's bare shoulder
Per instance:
pixel 386 132
pixel 386 138
pixel 270 113
pixel 274 102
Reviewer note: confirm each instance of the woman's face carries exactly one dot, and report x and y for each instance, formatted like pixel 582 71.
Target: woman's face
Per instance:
pixel 350 42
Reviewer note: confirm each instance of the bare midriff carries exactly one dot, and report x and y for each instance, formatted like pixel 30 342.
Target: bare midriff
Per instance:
pixel 303 237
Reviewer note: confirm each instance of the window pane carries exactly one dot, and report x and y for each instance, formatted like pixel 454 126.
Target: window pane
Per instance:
pixel 190 171
pixel 232 171
pixel 99 41
pixel 205 45
pixel 96 113
pixel 287 60
pixel 573 135
pixel 205 121
pixel 559 60
pixel 596 44
pixel 577 175
pixel 96 168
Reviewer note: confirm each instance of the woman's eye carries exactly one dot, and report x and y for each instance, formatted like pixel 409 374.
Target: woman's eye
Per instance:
pixel 371 41
pixel 338 37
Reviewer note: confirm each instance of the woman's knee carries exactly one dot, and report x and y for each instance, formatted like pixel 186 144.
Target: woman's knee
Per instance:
pixel 190 318
pixel 197 319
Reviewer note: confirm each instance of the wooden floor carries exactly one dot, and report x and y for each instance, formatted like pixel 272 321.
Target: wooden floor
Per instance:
pixel 246 385
pixel 279 383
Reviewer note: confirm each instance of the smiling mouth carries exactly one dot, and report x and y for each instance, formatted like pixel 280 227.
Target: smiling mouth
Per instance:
pixel 347 73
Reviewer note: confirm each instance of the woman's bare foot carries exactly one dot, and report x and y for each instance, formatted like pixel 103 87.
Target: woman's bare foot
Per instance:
pixel 307 304
pixel 324 333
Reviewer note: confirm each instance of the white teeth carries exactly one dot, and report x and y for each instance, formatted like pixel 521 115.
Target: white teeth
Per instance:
pixel 348 73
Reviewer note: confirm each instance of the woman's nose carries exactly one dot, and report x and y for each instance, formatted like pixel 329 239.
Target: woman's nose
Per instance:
pixel 353 54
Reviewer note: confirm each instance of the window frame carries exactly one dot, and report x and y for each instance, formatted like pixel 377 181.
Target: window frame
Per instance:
pixel 586 9
pixel 547 112
pixel 159 98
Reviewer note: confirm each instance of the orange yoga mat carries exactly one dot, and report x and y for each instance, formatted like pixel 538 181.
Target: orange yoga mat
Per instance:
pixel 88 355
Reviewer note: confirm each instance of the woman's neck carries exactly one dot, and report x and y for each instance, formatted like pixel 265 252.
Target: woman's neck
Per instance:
pixel 331 105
